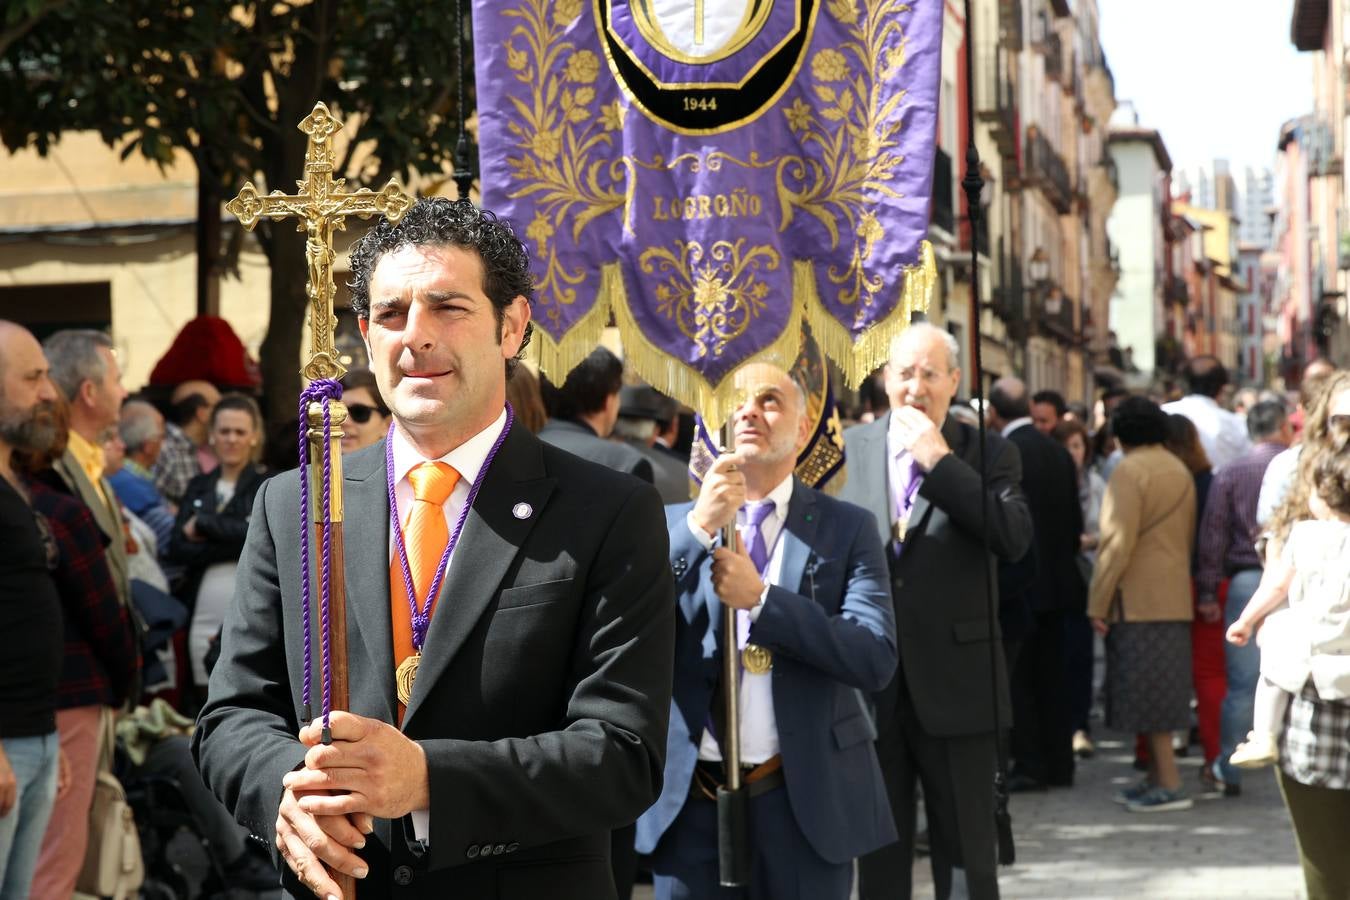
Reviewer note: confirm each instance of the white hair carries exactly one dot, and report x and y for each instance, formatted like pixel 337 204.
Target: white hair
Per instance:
pixel 927 331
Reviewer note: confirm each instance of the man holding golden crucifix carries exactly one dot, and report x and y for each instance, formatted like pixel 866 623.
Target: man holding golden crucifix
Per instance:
pixel 511 607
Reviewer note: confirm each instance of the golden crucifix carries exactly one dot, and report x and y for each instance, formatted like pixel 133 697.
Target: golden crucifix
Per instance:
pixel 320 207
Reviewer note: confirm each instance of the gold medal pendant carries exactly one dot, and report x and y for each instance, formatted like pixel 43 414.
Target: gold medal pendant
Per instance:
pixel 756 660
pixel 404 677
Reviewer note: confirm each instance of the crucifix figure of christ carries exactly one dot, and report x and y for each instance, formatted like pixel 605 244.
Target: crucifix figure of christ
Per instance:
pixel 320 207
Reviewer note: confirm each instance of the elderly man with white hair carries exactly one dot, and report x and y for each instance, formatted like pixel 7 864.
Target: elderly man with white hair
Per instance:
pixel 917 469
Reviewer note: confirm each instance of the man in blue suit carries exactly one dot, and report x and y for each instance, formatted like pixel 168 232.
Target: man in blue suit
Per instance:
pixel 809 582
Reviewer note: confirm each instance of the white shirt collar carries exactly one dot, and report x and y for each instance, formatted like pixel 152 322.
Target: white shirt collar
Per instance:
pixel 781 495
pixel 1014 425
pixel 466 459
pixel 894 448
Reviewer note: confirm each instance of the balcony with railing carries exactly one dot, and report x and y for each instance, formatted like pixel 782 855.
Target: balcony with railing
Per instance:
pixel 995 99
pixel 1008 301
pixel 1054 56
pixel 1054 313
pixel 1045 169
pixel 1010 23
pixel 1318 140
pixel 1176 292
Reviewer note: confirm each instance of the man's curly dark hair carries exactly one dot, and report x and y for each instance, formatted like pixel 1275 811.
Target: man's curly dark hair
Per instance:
pixel 455 223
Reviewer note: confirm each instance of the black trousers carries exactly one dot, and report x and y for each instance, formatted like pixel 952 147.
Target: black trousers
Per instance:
pixel 1079 646
pixel 1042 737
pixel 957 774
pixel 623 859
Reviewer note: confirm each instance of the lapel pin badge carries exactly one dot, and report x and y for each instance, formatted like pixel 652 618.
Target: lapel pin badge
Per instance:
pixel 522 510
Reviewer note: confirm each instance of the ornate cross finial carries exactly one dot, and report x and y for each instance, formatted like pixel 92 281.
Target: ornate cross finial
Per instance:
pixel 320 207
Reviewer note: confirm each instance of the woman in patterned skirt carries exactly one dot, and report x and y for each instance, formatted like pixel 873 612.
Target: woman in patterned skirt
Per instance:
pixel 1140 598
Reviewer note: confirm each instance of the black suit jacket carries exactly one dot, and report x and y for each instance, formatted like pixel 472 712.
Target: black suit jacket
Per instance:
pixel 223 528
pixel 579 439
pixel 544 690
pixel 1050 484
pixel 938 580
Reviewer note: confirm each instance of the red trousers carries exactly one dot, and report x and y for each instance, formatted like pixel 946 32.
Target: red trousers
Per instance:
pixel 1208 676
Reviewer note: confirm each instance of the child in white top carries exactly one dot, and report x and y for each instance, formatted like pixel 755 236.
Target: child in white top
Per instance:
pixel 1310 638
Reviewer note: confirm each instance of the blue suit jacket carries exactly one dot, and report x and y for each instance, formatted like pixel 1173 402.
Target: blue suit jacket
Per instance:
pixel 832 632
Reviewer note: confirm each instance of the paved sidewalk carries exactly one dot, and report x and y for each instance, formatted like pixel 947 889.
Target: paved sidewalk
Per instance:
pixel 1075 843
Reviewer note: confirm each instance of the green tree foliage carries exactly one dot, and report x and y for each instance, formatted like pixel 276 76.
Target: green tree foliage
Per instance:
pixel 228 81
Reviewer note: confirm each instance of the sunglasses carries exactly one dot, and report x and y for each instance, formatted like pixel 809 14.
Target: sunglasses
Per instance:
pixel 361 412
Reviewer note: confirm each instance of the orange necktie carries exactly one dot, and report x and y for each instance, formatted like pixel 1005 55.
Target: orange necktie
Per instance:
pixel 424 537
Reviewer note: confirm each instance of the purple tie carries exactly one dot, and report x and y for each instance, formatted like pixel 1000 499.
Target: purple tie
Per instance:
pixel 909 476
pixel 755 514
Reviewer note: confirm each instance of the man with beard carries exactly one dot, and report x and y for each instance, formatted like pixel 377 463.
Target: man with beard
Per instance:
pixel 30 619
pixel 808 582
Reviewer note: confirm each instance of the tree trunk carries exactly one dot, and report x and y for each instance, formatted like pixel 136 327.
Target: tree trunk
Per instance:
pixel 280 351
pixel 279 356
pixel 285 155
pixel 208 240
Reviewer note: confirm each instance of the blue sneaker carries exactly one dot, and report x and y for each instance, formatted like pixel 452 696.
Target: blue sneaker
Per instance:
pixel 1132 793
pixel 1160 799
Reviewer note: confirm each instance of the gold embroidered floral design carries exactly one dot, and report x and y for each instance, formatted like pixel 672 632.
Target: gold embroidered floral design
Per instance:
pixel 711 295
pixel 563 142
pixel 854 124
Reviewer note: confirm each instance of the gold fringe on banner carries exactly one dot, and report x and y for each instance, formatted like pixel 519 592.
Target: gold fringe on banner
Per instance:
pixel 860 357
pixel 557 358
pixel 674 377
pixel 857 358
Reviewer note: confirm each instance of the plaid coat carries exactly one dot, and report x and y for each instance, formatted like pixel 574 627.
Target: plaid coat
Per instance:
pixel 102 658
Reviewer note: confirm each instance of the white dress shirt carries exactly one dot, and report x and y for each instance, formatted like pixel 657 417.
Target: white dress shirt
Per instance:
pixel 1277 481
pixel 1016 424
pixel 1223 434
pixel 466 459
pixel 759 726
pixel 898 458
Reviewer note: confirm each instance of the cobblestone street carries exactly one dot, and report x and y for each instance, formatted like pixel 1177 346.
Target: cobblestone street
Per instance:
pixel 1076 843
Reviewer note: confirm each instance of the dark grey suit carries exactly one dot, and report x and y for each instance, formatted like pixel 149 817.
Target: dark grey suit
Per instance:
pixel 670 473
pixel 544 691
pixel 936 720
pixel 578 438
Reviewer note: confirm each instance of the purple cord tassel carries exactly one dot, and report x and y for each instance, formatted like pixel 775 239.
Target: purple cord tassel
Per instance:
pixel 322 390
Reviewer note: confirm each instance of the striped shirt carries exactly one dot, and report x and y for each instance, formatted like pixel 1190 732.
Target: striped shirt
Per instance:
pixel 1228 530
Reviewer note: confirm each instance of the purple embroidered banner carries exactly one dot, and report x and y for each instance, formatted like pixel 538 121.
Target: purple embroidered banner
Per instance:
pixel 713 174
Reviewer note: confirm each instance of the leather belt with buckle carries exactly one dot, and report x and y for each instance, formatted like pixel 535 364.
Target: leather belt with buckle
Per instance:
pixel 760 779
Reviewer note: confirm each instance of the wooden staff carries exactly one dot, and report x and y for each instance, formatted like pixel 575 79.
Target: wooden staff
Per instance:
pixel 321 206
